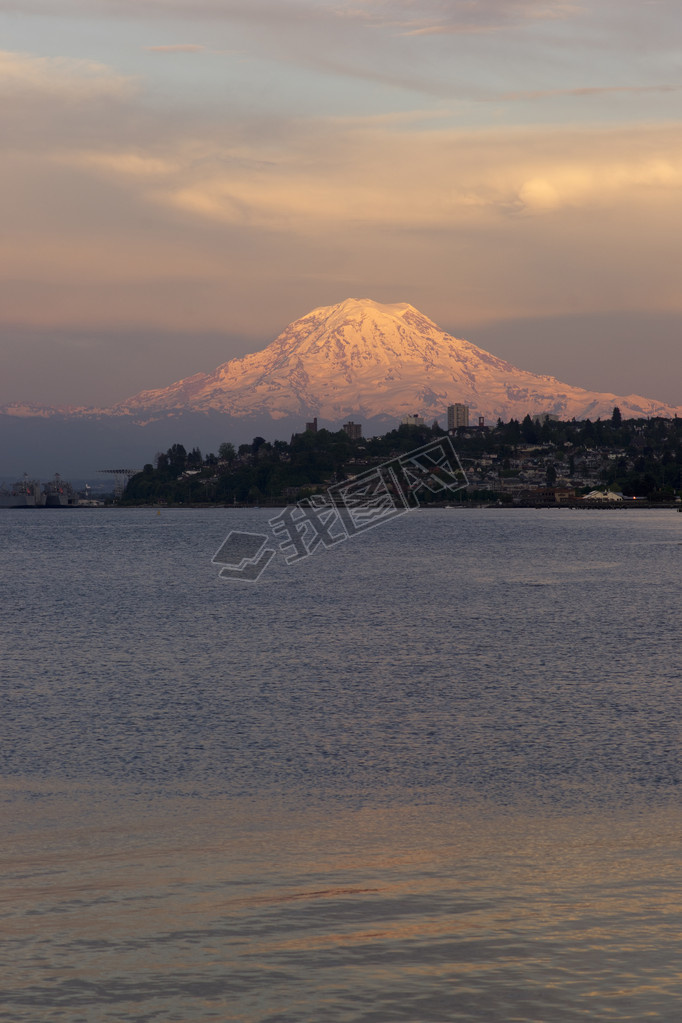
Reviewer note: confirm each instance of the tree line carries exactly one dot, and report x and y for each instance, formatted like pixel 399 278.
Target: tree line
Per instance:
pixel 647 462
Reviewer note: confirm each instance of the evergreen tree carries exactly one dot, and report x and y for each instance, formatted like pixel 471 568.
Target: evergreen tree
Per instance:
pixel 227 452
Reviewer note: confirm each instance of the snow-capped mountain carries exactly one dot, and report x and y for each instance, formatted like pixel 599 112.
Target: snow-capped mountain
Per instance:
pixel 360 360
pixel 363 359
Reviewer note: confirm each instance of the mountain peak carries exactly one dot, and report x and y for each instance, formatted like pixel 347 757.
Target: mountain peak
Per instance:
pixel 360 307
pixel 363 310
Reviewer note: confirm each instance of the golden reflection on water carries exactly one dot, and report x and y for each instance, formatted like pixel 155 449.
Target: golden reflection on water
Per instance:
pixel 167 901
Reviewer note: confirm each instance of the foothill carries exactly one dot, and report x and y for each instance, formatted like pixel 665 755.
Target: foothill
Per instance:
pixel 538 461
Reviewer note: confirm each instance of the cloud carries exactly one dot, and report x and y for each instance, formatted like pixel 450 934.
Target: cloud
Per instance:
pixel 392 170
pixel 444 17
pixel 176 48
pixel 128 207
pixel 129 164
pixel 399 13
pixel 521 49
pixel 595 182
pixel 374 175
pixel 60 77
pixel 597 90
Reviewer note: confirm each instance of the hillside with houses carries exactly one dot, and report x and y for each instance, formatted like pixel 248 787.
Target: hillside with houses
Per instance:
pixel 532 462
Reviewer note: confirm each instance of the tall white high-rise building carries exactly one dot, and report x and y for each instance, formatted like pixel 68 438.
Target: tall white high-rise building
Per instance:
pixel 458 415
pixel 354 430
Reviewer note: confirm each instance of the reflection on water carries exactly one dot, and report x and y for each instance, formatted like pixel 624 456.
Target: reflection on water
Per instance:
pixel 238 910
pixel 431 775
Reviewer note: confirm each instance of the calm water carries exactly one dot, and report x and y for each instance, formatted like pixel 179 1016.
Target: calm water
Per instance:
pixel 432 774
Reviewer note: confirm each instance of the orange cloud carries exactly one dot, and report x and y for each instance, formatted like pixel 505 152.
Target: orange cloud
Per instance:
pixel 62 77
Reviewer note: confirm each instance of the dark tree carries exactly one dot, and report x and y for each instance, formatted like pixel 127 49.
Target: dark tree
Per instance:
pixel 227 452
pixel 529 430
pixel 177 458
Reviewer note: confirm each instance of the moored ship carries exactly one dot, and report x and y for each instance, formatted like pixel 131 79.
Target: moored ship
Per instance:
pixel 25 493
pixel 59 493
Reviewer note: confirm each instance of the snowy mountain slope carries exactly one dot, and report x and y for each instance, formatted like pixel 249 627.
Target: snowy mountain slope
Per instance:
pixel 360 358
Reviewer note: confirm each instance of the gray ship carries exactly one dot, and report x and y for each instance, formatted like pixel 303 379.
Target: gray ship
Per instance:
pixel 25 493
pixel 59 494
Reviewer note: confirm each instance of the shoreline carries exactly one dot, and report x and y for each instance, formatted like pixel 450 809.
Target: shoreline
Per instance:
pixel 460 506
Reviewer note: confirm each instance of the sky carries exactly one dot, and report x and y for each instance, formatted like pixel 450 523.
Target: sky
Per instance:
pixel 181 179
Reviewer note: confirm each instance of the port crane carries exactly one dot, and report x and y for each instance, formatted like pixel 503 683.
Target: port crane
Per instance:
pixel 121 477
